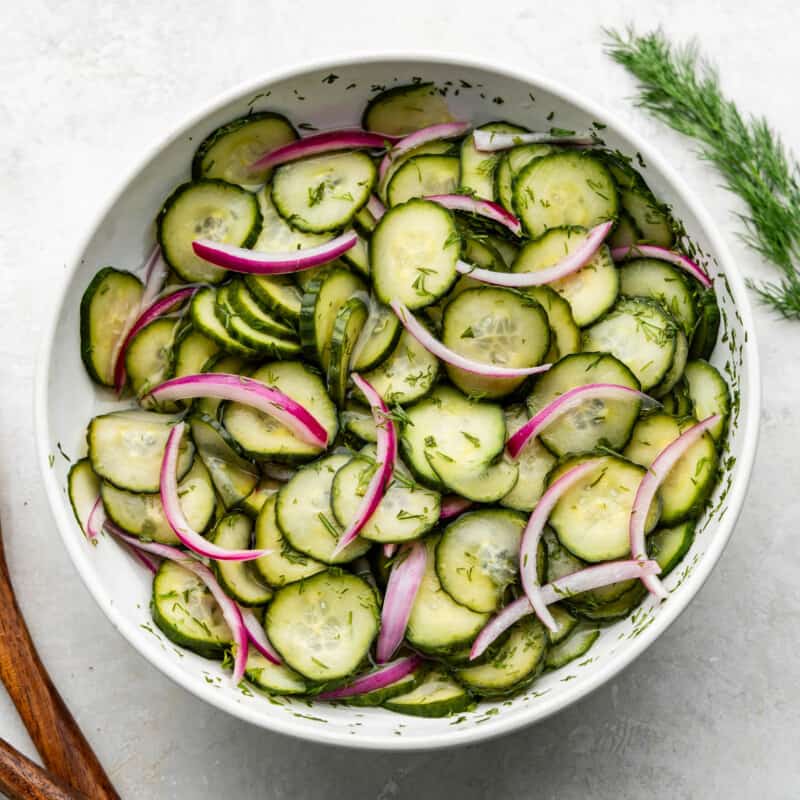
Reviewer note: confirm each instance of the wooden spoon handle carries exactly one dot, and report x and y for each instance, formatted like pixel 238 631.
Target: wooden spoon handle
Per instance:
pixel 63 748
pixel 21 779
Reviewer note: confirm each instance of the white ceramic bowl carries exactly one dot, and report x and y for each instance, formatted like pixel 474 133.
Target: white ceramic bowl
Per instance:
pixel 123 234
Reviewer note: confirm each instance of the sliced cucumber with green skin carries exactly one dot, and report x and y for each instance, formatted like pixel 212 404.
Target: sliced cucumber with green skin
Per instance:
pixel 276 293
pixel 477 557
pixel 204 319
pixel 406 511
pixel 283 564
pixel 676 369
pixel 614 610
pixel 83 487
pixel 481 254
pixel 626 234
pixel 497 327
pixel 187 613
pixel 478 168
pixel 254 502
pixel 481 483
pixel 407 375
pixel 277 235
pixel 110 301
pixel 192 350
pixel 705 333
pixel 305 517
pixel 378 338
pixel 516 663
pixel 358 420
pixel 205 209
pixel 322 300
pixel 505 247
pixel 592 290
pixel 577 644
pixel 422 176
pixel 247 308
pixel 435 148
pixel 709 394
pixel 323 193
pixel 641 334
pixel 437 695
pixel 468 432
pixel 262 436
pixel 404 109
pixel 437 623
pixel 346 329
pixel 357 256
pixel 565 338
pixel 564 189
pixel 668 546
pixel 677 402
pixel 594 422
pixel 323 626
pixel 378 697
pixel 239 579
pixel 228 152
pixel 565 624
pixel 364 222
pixel 126 448
pixel 689 483
pixel 273 678
pixel 413 252
pixel 592 518
pixel 149 357
pixel 650 218
pixel 143 515
pixel 510 165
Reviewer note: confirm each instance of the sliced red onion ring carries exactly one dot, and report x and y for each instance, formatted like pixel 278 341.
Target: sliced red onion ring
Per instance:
pixel 441 351
pixel 155 275
pixel 152 312
pixel 385 456
pixel 533 532
pixel 238 389
pixel 257 636
pixel 174 513
pixel 230 610
pixel 568 402
pixel 453 505
pixel 571 263
pixel 488 142
pixel 481 208
pixel 389 549
pixel 254 262
pixel 149 562
pixel 96 520
pixel 662 254
pixel 567 586
pixel 375 207
pixel 377 679
pixel 401 590
pixel 653 478
pixel 442 130
pixel 325 142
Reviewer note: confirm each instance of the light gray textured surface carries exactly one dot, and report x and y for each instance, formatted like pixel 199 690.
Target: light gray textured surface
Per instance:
pixel 712 709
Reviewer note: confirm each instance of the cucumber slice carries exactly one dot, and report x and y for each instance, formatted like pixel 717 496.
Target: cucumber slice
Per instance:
pixel 591 291
pixel 650 217
pixel 511 163
pixel 273 678
pixel 677 402
pixel 323 193
pixel 641 334
pixel 421 176
pixel 323 626
pixel 149 358
pixel 438 695
pixel 357 256
pixel 246 307
pixel 192 350
pixel 142 515
pixel 564 189
pixel 283 564
pixel 685 490
pixel 228 152
pixel 435 148
pixel 276 293
pixel 505 247
pixel 494 326
pixel 516 664
pixel 239 578
pixel 378 338
pixel 709 394
pixel 594 422
pixel 378 697
pixel 205 320
pixel 406 510
pixel 479 483
pixel 364 222
pixel 187 613
pixel 626 234
pixel 565 335
pixel 346 329
pixel 480 254
pixel 668 546
pixel 477 557
pixel 705 333
pixel 358 420
pixel 437 623
pixel 109 302
pixel 254 502
pixel 477 168
pixel 205 209
pixel 404 109
pixel 277 235
pixel 676 369
pixel 565 621
pixel 305 517
pixel 83 488
pixel 577 644
pixel 126 448
pixel 614 610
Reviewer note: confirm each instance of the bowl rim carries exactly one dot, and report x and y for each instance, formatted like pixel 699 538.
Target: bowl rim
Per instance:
pixel 501 724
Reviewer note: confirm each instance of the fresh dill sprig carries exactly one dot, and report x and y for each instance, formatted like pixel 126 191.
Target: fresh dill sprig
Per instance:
pixel 681 88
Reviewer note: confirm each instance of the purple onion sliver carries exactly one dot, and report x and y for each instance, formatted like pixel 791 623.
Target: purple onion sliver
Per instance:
pixel 481 208
pixel 453 505
pixel 257 635
pixel 375 207
pixel 389 549
pixel 377 679
pixel 662 254
pixel 96 520
pixel 442 130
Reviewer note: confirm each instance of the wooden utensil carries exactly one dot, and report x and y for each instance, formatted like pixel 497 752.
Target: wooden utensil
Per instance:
pixel 57 737
pixel 21 779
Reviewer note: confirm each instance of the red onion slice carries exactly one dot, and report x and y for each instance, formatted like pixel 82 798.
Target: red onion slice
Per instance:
pixel 441 351
pixel 385 456
pixel 174 513
pixel 96 520
pixel 401 590
pixel 533 532
pixel 254 262
pixel 149 562
pixel 653 478
pixel 571 263
pixel 257 636
pixel 375 207
pixel 377 679
pixel 325 142
pixel 155 275
pixel 481 208
pixel 442 130
pixel 567 402
pixel 453 505
pixel 567 586
pixel 662 254
pixel 488 142
pixel 239 389
pixel 389 549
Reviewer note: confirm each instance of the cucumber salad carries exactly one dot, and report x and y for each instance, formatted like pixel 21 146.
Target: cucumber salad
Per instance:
pixel 408 411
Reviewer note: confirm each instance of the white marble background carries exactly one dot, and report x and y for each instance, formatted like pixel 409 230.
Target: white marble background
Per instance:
pixel 712 709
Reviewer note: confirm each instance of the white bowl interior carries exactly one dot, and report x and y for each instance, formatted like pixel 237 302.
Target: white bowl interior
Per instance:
pixel 123 236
